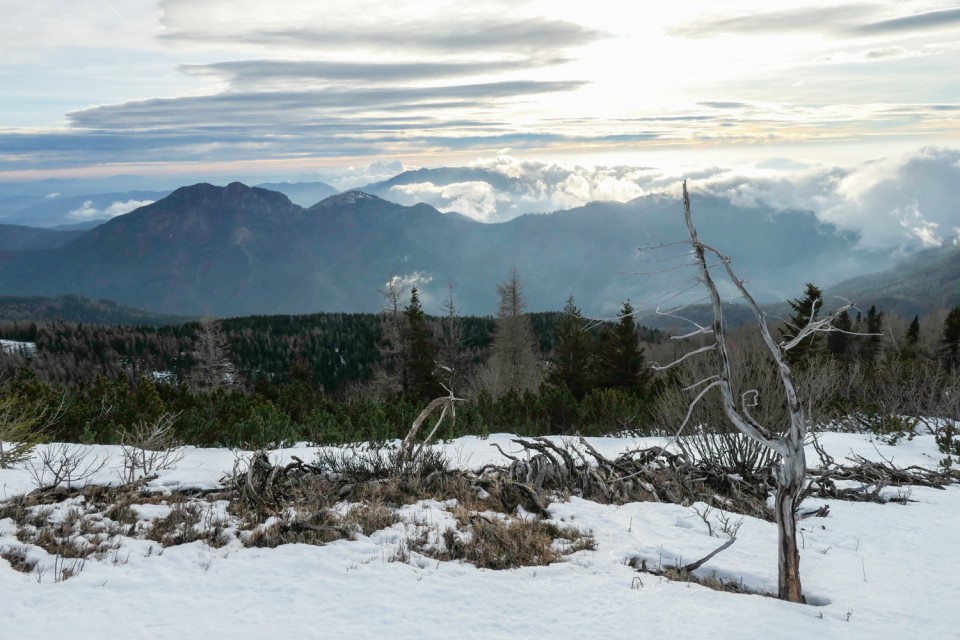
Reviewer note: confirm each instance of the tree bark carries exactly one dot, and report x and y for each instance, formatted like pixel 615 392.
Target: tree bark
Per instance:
pixel 788 496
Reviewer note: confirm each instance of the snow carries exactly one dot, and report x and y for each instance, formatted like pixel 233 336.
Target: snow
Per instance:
pixel 18 348
pixel 868 570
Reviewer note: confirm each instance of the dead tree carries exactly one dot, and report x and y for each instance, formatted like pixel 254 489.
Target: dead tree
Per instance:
pixel 785 440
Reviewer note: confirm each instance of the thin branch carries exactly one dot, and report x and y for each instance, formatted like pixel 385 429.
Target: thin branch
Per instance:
pixel 689 354
pixel 729 405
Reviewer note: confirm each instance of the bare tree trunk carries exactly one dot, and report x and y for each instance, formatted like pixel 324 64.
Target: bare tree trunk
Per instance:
pixel 792 475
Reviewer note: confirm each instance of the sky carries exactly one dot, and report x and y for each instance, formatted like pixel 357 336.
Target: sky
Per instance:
pixel 100 87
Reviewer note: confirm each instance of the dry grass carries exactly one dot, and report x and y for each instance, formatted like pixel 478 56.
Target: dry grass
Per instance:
pixel 506 543
pixel 323 526
pixel 17 557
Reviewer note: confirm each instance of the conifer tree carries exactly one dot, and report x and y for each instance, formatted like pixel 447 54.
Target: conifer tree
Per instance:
pixel 571 353
pixel 872 325
pixel 838 342
pixel 951 338
pixel 913 331
pixel 911 340
pixel 804 311
pixel 620 363
pixel 419 379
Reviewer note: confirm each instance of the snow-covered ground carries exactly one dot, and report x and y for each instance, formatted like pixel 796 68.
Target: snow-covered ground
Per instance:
pixel 868 571
pixel 18 348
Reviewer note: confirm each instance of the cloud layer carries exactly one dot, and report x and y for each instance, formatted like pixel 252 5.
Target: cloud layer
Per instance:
pixel 90 212
pixel 224 82
pixel 900 203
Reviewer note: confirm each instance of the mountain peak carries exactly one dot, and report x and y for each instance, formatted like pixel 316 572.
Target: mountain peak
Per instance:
pixel 234 194
pixel 352 200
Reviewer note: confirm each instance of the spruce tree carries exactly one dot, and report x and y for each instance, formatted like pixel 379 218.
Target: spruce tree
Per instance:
pixel 913 331
pixel 873 326
pixel 838 341
pixel 911 341
pixel 419 379
pixel 571 353
pixel 951 338
pixel 804 311
pixel 620 363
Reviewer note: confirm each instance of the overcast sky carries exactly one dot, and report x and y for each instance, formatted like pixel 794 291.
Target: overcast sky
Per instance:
pixel 232 86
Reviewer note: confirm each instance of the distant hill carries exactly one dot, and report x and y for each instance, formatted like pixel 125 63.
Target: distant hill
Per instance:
pixel 237 250
pixel 18 238
pixel 304 194
pixel 916 285
pixel 79 309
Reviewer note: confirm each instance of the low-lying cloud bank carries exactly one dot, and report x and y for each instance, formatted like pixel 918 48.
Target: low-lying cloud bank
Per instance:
pixel 90 212
pixel 899 203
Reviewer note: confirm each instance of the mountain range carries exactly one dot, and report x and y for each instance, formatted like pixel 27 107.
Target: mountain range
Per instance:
pixel 78 204
pixel 240 250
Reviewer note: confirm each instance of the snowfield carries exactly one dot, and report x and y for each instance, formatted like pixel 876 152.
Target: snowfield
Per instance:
pixel 868 570
pixel 18 348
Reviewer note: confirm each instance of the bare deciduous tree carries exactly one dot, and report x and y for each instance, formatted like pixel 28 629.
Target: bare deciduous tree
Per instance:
pixel 786 441
pixel 64 462
pixel 150 446
pixel 388 374
pixel 451 354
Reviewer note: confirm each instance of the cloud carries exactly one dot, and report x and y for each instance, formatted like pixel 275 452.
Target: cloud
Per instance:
pixel 898 203
pixel 887 54
pixel 917 226
pixel 844 19
pixel 351 177
pixel 883 199
pixel 245 109
pixel 916 22
pixel 89 212
pixel 267 73
pixel 456 35
pixel 804 19
pixel 719 104
pixel 476 199
pixel 403 283
pixel 504 187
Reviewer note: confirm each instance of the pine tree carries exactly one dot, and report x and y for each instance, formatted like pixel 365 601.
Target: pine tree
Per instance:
pixel 804 311
pixel 572 353
pixel 419 379
pixel 620 363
